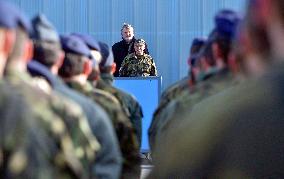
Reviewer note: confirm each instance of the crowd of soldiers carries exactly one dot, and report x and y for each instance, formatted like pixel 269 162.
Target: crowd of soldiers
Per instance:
pixel 61 117
pixel 225 119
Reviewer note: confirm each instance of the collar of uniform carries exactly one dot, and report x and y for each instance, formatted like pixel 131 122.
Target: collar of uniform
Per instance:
pixel 132 55
pixel 107 78
pixel 16 76
pixel 79 87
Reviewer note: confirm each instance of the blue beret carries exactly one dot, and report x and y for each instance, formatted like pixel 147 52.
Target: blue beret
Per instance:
pixel 198 41
pixel 107 55
pixel 11 17
pixel 43 29
pixel 89 40
pixel 73 44
pixel 226 22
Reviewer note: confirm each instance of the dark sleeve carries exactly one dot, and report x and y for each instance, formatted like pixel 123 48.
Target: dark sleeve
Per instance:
pixel 109 160
pixel 153 69
pixel 114 51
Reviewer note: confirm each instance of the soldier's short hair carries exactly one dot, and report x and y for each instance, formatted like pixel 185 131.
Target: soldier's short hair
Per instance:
pixel 138 41
pixel 46 52
pixel 126 26
pixel 73 65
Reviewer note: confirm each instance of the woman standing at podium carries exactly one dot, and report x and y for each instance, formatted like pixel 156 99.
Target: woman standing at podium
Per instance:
pixel 138 64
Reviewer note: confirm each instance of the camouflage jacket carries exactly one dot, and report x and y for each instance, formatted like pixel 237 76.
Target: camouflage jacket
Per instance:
pixel 124 130
pixel 179 109
pixel 25 146
pixel 232 134
pixel 108 162
pixel 168 95
pixel 129 104
pixel 75 140
pixel 136 66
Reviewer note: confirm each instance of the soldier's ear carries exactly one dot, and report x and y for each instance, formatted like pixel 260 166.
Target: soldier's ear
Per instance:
pixel 87 67
pixel 60 59
pixel 28 51
pixel 9 40
pixel 113 67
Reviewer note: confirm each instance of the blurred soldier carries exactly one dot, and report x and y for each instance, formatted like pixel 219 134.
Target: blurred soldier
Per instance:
pixel 237 133
pixel 138 63
pixel 128 102
pixel 108 158
pixel 15 112
pixel 48 51
pixel 124 130
pixel 125 47
pixel 39 146
pixel 216 51
pixel 173 92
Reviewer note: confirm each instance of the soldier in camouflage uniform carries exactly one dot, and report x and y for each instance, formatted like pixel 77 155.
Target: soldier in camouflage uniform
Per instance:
pixel 48 52
pixel 129 104
pixel 178 110
pixel 124 130
pixel 19 127
pixel 171 93
pixel 40 145
pixel 138 64
pixel 236 133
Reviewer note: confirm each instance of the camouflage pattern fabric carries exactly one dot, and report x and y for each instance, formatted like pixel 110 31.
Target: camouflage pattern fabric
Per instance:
pixel 75 140
pixel 85 143
pixel 233 134
pixel 25 146
pixel 167 96
pixel 109 157
pixel 124 130
pixel 137 66
pixel 179 109
pixel 129 104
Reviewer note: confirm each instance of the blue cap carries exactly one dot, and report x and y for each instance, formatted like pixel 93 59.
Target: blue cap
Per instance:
pixel 73 44
pixel 198 41
pixel 107 55
pixel 44 30
pixel 226 22
pixel 11 17
pixel 89 40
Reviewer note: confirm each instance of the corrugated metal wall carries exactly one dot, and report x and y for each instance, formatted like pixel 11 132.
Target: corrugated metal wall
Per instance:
pixel 168 26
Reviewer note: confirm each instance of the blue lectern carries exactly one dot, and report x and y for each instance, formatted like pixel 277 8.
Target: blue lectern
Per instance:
pixel 147 91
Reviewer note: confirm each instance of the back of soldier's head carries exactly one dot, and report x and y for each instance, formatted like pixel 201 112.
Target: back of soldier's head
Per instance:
pixel 259 17
pixel 195 49
pixel 20 44
pixel 196 45
pixel 226 23
pixel 76 55
pixel 107 58
pixel 47 47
